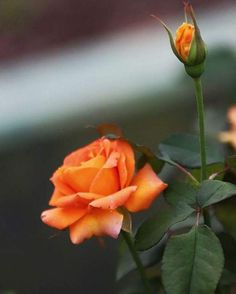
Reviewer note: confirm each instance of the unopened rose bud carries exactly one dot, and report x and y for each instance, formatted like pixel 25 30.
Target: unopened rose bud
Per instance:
pixel 188 45
pixel 194 64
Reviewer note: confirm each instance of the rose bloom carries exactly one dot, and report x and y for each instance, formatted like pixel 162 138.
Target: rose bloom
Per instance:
pixel 91 186
pixel 230 136
pixel 231 115
pixel 183 40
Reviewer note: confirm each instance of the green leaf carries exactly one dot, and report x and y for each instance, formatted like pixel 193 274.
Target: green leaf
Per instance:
pixel 213 191
pixel 181 192
pixel 153 229
pixel 148 156
pixel 184 149
pixel 192 262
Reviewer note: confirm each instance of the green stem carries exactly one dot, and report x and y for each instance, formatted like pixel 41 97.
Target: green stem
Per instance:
pixel 128 239
pixel 200 110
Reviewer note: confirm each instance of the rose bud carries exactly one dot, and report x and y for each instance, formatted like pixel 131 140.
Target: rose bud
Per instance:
pixel 94 185
pixel 188 45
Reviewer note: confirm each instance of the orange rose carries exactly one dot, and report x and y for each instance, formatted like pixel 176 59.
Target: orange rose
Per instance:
pixel 183 40
pixel 232 117
pixel 93 182
pixel 230 136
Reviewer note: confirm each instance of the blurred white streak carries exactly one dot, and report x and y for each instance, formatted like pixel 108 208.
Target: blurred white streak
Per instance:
pixel 82 79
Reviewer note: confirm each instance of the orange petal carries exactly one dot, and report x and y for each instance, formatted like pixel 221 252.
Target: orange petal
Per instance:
pixel 107 146
pixel 79 179
pixel 61 218
pixel 82 154
pixel 58 182
pixel 149 187
pixel 184 37
pixel 126 149
pixel 90 196
pixel 97 223
pixel 122 169
pixel 106 181
pixel 55 196
pixel 95 162
pixel 112 160
pixel 115 200
pixel 76 200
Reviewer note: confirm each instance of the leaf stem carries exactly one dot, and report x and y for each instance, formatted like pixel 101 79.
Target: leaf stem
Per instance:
pixel 198 216
pixel 185 171
pixel 129 241
pixel 201 124
pixel 213 176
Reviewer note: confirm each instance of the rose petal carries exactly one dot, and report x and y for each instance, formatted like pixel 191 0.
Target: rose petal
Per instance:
pixel 61 218
pixel 112 160
pixel 184 37
pixel 76 200
pixel 82 154
pixel 96 162
pixel 59 183
pixel 107 146
pixel 149 187
pixel 90 196
pixel 122 169
pixel 79 179
pixel 97 223
pixel 115 200
pixel 124 148
pixel 106 181
pixel 55 196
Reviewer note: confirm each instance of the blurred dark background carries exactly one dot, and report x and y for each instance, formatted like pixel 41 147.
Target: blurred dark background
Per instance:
pixel 42 122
